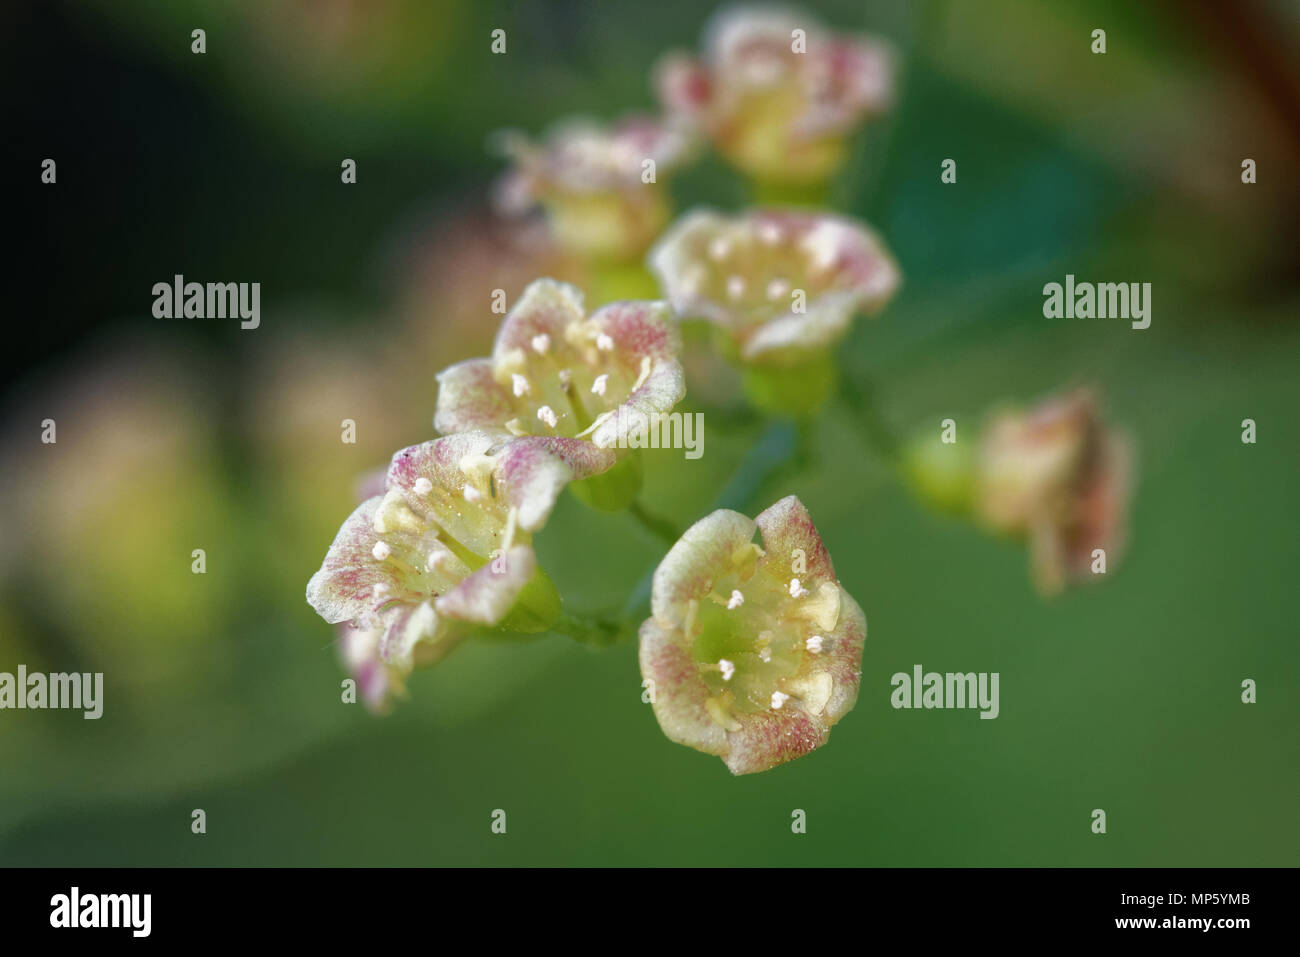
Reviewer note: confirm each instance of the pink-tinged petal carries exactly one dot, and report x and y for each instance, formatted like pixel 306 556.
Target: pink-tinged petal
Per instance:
pixel 469 397
pixel 406 625
pixel 662 389
pixel 789 536
pixel 842 654
pixel 376 680
pixel 680 695
pixel 683 85
pixel 546 307
pixel 705 552
pixel 486 597
pixel 344 587
pixel 640 329
pixel 768 739
pixel 439 461
pixel 535 469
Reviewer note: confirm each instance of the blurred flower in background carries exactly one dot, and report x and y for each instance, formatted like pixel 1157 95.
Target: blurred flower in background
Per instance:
pixel 776 93
pixel 1053 474
pixel 603 188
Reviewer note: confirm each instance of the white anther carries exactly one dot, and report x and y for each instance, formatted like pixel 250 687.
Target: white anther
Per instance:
pixel 728 668
pixel 547 415
pixel 736 600
pixel 472 494
pixel 814 644
pixel 719 248
pixel 519 384
pixel 796 590
pixel 777 288
pixel 735 287
pixel 381 551
pixel 604 343
pixel 601 384
pixel 423 486
pixel 779 698
pixel 541 343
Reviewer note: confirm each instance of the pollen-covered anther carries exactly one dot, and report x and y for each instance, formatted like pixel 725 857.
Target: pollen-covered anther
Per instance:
pixel 797 590
pixel 381 551
pixel 472 494
pixel 604 343
pixel 548 417
pixel 728 668
pixel 601 384
pixel 779 698
pixel 541 343
pixel 519 385
pixel 815 644
pixel 736 600
pixel 422 486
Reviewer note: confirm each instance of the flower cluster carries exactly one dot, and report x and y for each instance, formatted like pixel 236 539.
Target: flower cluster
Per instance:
pixel 752 650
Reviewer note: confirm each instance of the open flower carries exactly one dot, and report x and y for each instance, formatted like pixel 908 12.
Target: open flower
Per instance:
pixel 776 93
pixel 602 186
pixel 556 372
pixel 780 284
pixel 446 548
pixel 1054 475
pixel 753 652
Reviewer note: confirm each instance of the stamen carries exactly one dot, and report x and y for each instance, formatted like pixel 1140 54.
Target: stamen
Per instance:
pixel 604 343
pixel 519 384
pixel 797 591
pixel 547 415
pixel 736 600
pixel 728 668
pixel 719 248
pixel 777 288
pixel 541 343
pixel 423 486
pixel 472 494
pixel 601 384
pixel 381 551
pixel 779 698
pixel 814 644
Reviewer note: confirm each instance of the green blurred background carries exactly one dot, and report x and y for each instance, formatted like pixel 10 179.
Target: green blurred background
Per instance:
pixel 222 690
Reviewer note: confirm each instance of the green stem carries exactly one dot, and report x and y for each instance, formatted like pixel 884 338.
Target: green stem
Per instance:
pixel 595 631
pixel 655 524
pixel 859 400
